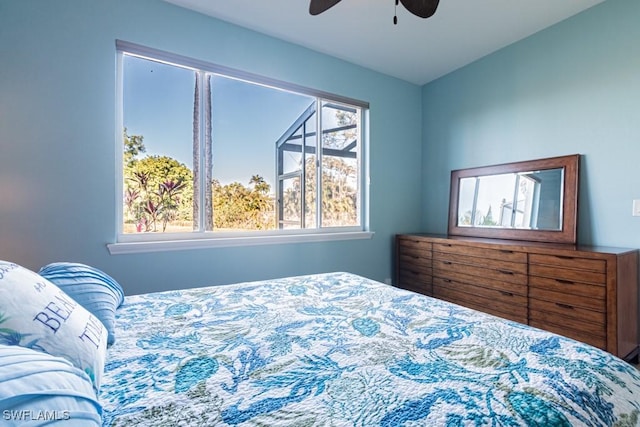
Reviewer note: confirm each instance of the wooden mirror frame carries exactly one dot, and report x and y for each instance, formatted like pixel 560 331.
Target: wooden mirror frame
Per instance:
pixel 568 232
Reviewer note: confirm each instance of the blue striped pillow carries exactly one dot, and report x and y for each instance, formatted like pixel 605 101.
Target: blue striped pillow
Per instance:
pixel 40 389
pixel 95 290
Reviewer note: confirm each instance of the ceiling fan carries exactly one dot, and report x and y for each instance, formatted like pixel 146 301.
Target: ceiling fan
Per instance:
pixel 421 8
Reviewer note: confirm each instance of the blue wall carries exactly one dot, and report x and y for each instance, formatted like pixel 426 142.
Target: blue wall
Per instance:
pixel 572 88
pixel 58 141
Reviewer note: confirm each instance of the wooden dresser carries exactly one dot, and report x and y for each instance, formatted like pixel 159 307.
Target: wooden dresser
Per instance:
pixel 586 293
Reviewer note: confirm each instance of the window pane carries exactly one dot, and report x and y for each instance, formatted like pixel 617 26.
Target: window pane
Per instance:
pixel 248 121
pixel 158 119
pixel 339 165
pixel 292 161
pixel 291 203
pixel 310 189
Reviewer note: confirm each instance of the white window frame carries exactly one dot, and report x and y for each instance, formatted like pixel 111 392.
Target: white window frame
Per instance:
pixel 156 242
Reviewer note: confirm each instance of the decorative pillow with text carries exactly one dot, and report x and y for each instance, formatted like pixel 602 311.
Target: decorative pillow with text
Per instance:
pixel 36 314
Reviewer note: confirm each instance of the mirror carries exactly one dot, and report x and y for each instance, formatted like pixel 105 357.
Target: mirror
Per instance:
pixel 523 200
pixel 532 200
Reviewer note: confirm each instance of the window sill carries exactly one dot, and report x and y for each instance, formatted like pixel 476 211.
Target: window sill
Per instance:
pixel 178 245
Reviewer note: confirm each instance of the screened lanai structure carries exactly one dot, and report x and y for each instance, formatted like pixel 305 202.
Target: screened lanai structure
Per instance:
pixel 319 188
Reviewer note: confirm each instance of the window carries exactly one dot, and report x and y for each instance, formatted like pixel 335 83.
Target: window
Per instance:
pixel 209 152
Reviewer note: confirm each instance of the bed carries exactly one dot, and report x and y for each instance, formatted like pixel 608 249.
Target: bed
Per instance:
pixel 338 349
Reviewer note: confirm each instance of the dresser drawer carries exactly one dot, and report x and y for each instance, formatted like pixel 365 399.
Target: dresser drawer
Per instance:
pixel 592 291
pixel 576 263
pixel 568 300
pixel 583 276
pixel 411 275
pixel 415 252
pixel 483 253
pixel 548 308
pixel 495 264
pixel 416 268
pixel 449 270
pixel 414 263
pixel 474 290
pixel 499 308
pixel 483 281
pixel 577 325
pixel 414 243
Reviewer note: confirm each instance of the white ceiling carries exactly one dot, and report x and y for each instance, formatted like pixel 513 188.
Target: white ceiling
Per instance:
pixel 416 50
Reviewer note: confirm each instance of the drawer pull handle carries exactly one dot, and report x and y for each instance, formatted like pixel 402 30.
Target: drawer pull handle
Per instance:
pixel 446 262
pixel 508 294
pixel 506 251
pixel 564 257
pixel 567 306
pixel 446 280
pixel 506 272
pixel 565 282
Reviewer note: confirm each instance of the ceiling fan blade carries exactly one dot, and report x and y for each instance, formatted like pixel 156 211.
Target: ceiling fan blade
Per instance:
pixel 316 7
pixel 421 8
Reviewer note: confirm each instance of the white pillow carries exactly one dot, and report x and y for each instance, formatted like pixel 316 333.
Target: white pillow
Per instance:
pixel 39 389
pixel 36 314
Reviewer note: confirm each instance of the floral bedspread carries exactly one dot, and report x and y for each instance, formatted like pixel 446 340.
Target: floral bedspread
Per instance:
pixel 341 350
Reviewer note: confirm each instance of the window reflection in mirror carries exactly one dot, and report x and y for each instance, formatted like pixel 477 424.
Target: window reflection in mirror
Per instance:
pixel 526 200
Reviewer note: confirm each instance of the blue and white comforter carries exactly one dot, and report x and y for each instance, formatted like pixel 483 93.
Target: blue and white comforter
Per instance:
pixel 342 350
